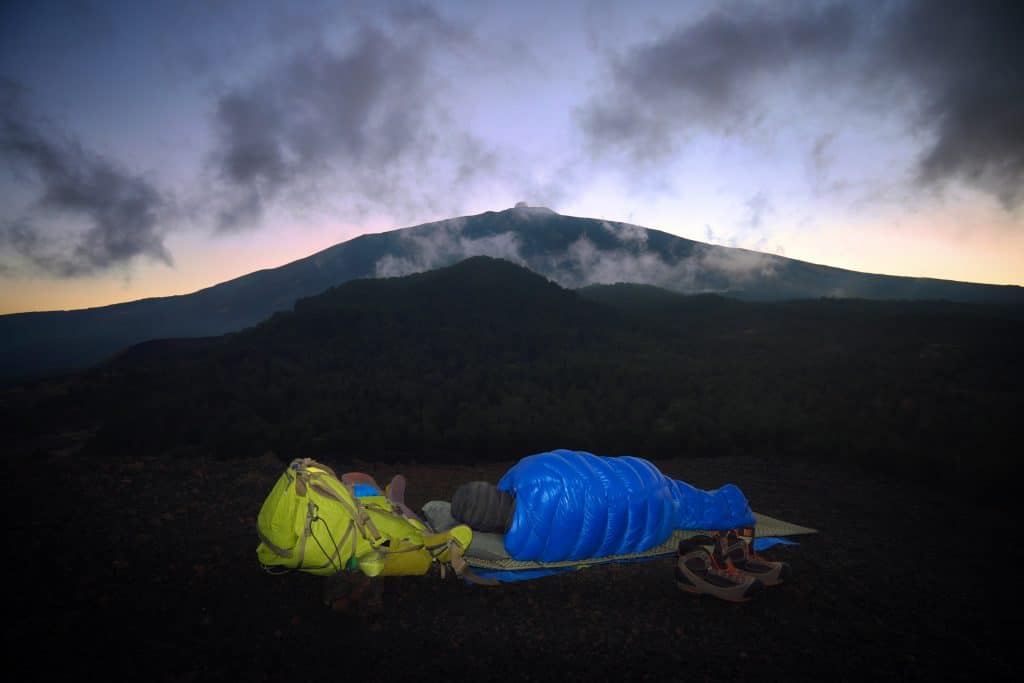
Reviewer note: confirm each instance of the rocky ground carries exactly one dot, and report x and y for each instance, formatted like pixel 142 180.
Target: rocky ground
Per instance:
pixel 144 569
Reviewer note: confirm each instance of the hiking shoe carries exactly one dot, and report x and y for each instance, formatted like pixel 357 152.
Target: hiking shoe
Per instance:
pixel 733 551
pixel 697 573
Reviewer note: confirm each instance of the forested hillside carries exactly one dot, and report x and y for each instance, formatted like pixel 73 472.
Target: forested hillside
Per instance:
pixel 485 360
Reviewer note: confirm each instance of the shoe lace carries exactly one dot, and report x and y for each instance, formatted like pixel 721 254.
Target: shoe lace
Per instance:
pixel 725 546
pixel 723 566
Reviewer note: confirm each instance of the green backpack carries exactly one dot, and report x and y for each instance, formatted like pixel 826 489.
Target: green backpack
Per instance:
pixel 314 522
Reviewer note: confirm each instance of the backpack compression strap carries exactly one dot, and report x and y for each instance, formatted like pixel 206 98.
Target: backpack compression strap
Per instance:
pixel 448 548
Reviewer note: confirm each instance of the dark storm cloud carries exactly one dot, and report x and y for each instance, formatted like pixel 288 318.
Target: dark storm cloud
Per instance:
pixel 121 211
pixel 359 116
pixel 706 74
pixel 959 65
pixel 965 62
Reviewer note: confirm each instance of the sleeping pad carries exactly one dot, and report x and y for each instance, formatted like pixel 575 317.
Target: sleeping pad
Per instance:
pixel 574 505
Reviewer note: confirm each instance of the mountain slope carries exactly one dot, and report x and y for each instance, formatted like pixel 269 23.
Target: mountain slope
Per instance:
pixel 574 252
pixel 486 360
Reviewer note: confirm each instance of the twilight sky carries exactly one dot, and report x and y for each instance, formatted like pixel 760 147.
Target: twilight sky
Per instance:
pixel 154 148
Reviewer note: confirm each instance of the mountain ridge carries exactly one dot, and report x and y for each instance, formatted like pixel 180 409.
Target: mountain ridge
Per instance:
pixel 572 251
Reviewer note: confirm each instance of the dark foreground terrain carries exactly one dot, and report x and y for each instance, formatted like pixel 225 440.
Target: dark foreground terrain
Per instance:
pixel 145 570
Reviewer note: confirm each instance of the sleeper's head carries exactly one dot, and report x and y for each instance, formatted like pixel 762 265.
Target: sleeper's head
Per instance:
pixel 483 506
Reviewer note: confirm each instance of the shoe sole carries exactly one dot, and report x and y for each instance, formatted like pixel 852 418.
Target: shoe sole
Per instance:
pixel 772 577
pixel 755 589
pixel 750 593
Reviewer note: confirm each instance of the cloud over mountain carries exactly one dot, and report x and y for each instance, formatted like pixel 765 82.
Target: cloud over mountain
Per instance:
pixel 359 121
pixel 954 70
pixel 602 253
pixel 964 63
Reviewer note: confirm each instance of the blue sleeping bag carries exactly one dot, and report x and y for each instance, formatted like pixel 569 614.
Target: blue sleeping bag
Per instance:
pixel 573 505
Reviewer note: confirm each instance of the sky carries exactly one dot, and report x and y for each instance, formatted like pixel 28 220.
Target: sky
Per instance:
pixel 156 148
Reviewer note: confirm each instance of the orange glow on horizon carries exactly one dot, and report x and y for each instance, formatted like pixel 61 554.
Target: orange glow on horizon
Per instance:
pixel 915 249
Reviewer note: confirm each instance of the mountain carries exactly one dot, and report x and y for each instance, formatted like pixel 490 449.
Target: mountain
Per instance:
pixel 487 360
pixel 574 252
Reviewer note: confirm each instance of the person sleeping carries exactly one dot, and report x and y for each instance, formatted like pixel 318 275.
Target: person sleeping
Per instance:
pixel 573 505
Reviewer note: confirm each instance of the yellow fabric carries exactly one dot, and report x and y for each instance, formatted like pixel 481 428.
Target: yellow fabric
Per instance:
pixel 313 522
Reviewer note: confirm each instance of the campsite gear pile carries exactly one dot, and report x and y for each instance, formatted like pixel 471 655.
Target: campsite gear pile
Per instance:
pixel 551 513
